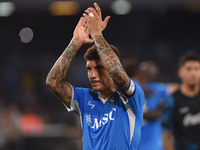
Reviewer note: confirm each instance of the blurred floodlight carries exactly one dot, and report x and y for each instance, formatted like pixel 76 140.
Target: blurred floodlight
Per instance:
pixel 26 35
pixel 64 8
pixel 6 9
pixel 121 7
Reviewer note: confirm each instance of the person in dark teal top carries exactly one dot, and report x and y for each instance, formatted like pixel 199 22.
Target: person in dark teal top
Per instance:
pixel 181 117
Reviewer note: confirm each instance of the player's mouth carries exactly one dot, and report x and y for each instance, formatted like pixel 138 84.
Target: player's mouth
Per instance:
pixel 95 82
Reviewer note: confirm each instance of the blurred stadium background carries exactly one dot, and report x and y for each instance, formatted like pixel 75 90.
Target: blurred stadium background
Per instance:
pixel 31 117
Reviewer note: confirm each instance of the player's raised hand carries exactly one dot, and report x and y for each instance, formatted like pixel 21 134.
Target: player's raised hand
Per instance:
pixel 105 22
pixel 95 14
pixel 81 33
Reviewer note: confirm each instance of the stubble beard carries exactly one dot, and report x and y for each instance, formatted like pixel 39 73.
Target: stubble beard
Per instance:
pixel 96 89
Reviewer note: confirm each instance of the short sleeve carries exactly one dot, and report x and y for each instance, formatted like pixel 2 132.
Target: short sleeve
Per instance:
pixel 77 100
pixel 167 118
pixel 163 90
pixel 137 100
pixel 159 92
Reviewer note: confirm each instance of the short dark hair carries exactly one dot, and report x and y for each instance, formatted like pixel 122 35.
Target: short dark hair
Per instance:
pixel 130 66
pixel 91 53
pixel 189 56
pixel 149 69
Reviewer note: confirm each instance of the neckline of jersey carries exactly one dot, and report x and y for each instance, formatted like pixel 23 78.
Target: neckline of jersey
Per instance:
pixel 104 101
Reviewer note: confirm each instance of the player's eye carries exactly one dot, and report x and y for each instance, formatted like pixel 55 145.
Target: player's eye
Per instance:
pixel 100 67
pixel 88 68
pixel 188 69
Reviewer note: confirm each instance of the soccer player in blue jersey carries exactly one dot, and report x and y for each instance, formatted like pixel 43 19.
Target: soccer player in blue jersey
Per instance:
pixel 155 92
pixel 145 74
pixel 111 113
pixel 181 117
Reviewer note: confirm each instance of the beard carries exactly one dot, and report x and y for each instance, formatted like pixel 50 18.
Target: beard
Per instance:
pixel 96 85
pixel 96 88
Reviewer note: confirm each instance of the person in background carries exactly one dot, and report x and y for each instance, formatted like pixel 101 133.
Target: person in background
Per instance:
pixel 181 117
pixel 145 74
pixel 111 113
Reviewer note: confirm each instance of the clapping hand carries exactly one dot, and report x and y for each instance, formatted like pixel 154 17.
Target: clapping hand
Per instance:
pixel 94 21
pixel 81 34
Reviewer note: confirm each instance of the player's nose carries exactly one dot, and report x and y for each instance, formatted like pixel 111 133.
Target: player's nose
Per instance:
pixel 93 73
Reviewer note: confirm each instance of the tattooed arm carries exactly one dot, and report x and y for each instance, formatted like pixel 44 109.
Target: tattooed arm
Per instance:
pixel 108 57
pixel 55 79
pixel 111 62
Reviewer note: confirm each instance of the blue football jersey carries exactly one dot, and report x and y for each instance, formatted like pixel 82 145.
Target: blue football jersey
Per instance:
pixel 113 125
pixel 151 134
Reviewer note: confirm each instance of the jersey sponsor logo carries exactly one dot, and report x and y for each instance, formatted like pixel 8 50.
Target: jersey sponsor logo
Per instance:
pixel 92 105
pixel 88 119
pixel 191 119
pixel 104 120
pixel 184 110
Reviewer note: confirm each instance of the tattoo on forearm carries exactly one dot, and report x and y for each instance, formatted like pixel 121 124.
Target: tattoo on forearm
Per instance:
pixel 111 62
pixel 59 70
pixel 70 51
pixel 58 73
pixel 55 71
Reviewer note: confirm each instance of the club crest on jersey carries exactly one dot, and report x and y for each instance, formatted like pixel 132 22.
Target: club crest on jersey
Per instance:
pixel 111 100
pixel 95 123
